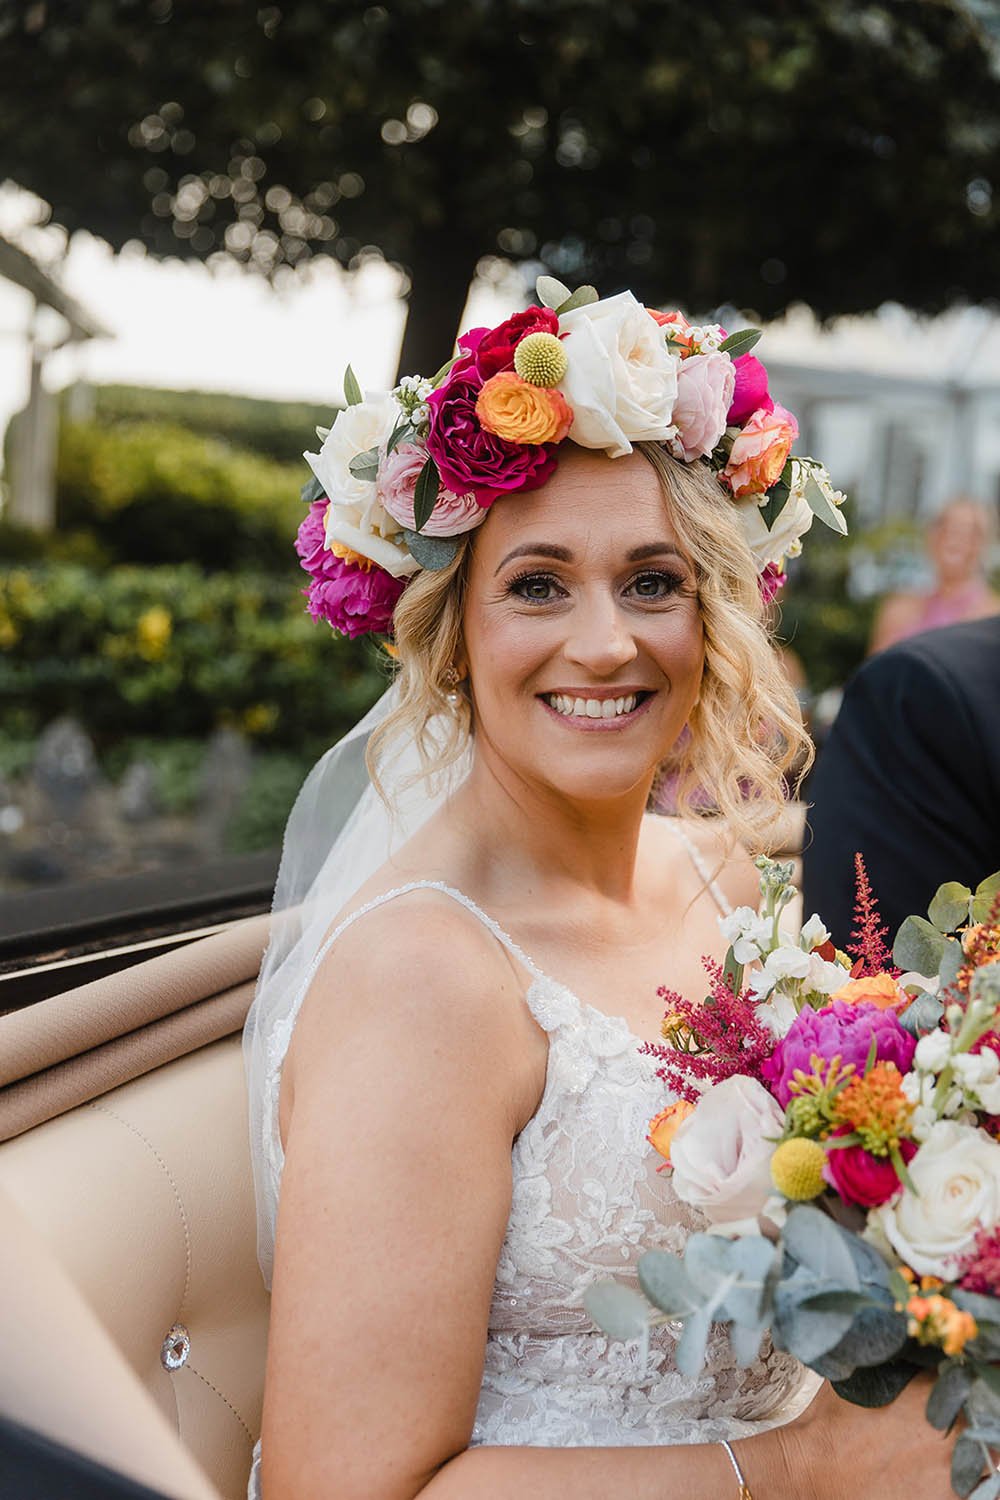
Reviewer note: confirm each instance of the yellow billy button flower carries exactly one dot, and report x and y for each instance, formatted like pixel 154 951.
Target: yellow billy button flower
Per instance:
pixel 797 1169
pixel 664 1126
pixel 540 359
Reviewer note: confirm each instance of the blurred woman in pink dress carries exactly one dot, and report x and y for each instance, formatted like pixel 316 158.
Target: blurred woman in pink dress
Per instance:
pixel 958 540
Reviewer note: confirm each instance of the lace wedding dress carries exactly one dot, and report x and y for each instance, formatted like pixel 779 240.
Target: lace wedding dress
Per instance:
pixel 587 1201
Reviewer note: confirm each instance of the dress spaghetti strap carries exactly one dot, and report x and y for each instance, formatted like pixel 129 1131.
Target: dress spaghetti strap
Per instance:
pixel 402 890
pixel 701 865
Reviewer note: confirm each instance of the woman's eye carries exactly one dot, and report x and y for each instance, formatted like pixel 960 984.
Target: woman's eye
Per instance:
pixel 656 585
pixel 537 587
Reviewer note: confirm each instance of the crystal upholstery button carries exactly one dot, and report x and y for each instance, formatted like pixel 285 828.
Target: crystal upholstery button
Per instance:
pixel 175 1348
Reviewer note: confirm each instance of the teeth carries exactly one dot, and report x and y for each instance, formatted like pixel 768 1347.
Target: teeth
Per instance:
pixel 591 708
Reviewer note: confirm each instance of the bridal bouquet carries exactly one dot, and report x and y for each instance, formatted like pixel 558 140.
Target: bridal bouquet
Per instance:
pixel 837 1121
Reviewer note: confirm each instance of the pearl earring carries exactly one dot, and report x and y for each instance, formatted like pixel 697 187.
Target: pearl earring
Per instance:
pixel 453 697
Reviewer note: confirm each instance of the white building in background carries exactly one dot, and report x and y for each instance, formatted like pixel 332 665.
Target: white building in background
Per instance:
pixel 904 410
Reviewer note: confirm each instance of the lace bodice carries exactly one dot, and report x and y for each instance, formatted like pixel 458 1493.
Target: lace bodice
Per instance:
pixel 586 1201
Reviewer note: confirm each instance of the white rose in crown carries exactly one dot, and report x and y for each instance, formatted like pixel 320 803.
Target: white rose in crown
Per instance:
pixel 621 380
pixel 956 1173
pixel 774 544
pixel 355 517
pixel 721 1154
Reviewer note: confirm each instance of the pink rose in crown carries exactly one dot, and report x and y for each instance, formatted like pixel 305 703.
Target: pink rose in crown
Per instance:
pixel 761 451
pixel 495 350
pixel 751 391
pixel 469 459
pixel 397 482
pixel 704 393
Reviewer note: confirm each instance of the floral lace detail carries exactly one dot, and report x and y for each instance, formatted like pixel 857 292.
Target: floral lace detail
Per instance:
pixel 586 1202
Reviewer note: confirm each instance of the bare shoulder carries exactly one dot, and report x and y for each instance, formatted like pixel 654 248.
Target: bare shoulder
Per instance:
pixel 720 855
pixel 418 977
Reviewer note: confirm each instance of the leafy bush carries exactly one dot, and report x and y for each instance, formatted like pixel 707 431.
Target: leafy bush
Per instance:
pixel 165 651
pixel 278 429
pixel 823 625
pixel 148 492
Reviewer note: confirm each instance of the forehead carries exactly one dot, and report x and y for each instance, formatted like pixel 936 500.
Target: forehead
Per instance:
pixel 591 500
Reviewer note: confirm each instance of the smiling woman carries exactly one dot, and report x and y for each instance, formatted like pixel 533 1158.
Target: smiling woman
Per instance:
pixel 449 1089
pixel 745 727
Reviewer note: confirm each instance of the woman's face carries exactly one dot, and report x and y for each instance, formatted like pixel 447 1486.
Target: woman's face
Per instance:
pixel 956 541
pixel 582 633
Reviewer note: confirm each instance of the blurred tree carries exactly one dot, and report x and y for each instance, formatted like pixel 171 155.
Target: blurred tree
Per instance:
pixel 840 152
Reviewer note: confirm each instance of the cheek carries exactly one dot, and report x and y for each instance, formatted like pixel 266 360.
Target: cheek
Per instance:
pixel 504 647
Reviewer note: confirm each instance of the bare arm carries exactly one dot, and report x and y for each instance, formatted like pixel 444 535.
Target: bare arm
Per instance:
pixel 415 1063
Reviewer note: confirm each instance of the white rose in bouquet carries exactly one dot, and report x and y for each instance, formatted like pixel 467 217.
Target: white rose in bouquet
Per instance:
pixel 622 380
pixel 721 1154
pixel 956 1174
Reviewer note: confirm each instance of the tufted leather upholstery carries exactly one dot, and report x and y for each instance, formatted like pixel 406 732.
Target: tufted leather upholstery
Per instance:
pixel 142 1201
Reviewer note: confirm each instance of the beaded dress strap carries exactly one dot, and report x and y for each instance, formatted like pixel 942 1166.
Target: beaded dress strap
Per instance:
pixel 701 865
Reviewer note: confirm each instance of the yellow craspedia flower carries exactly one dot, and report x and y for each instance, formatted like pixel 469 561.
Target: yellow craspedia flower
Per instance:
pixel 797 1169
pixel 541 359
pixel 519 412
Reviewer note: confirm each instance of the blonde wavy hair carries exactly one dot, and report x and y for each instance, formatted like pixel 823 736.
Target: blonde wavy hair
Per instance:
pixel 745 732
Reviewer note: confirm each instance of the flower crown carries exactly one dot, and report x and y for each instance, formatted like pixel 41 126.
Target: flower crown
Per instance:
pixel 400 476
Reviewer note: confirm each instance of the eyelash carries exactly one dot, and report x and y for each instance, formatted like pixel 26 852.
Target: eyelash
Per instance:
pixel 673 580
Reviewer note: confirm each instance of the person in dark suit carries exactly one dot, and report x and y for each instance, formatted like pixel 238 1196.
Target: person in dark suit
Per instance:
pixel 910 777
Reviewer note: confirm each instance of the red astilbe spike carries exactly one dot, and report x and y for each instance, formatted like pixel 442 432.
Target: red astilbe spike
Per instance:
pixel 730 1035
pixel 869 934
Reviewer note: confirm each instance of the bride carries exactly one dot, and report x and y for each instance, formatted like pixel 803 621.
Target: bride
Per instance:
pixel 446 1072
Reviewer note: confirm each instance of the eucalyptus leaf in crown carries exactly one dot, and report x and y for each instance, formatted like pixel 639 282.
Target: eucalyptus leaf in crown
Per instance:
pixel 400 476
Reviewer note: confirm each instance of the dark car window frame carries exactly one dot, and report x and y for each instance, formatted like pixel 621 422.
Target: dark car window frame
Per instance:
pixel 57 938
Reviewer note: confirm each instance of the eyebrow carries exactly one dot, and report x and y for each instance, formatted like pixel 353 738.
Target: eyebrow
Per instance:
pixel 563 554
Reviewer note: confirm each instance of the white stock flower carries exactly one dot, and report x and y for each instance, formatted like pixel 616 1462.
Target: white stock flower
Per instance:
pixel 933 1051
pixel 976 1069
pixel 783 538
pixel 777 1014
pixel 355 518
pixel 956 1174
pixel 814 933
pixel 746 933
pixel 825 978
pixel 721 1154
pixel 787 962
pixel 621 380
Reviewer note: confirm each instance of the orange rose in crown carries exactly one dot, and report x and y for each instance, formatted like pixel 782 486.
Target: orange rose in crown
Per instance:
pixel 760 451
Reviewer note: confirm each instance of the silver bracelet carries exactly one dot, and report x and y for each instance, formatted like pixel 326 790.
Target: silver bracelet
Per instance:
pixel 744 1487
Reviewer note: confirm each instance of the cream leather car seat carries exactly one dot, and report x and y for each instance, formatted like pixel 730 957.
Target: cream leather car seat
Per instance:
pixel 131 1272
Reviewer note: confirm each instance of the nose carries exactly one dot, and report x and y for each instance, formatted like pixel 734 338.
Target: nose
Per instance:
pixel 598 638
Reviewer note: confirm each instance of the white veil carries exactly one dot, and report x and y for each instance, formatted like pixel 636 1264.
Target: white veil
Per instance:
pixel 338 834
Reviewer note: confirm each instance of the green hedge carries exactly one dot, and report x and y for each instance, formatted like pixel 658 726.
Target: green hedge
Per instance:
pixel 278 429
pixel 166 651
pixel 147 493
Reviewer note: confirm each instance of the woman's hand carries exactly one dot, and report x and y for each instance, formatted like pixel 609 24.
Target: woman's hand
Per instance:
pixel 838 1451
